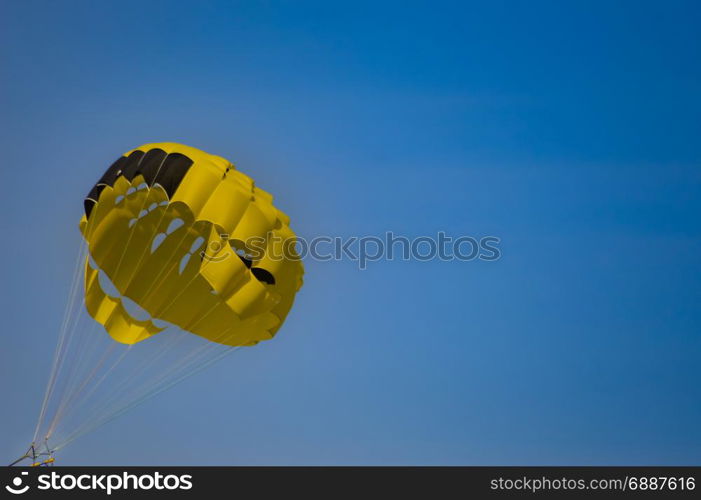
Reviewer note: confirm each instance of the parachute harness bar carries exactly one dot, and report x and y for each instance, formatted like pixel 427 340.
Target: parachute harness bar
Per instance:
pixel 39 458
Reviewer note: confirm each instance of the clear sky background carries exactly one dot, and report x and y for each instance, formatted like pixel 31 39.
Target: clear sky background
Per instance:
pixel 568 129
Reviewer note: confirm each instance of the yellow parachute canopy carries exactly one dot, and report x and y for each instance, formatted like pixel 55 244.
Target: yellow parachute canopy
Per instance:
pixel 183 261
pixel 179 236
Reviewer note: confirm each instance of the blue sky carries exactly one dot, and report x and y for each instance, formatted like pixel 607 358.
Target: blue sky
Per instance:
pixel 568 129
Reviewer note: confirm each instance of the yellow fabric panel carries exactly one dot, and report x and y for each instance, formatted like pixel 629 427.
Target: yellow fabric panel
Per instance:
pixel 198 186
pixel 256 223
pixel 99 304
pixel 227 205
pixel 252 298
pixel 173 257
pixel 288 279
pixel 244 181
pixel 157 262
pixel 111 313
pixel 125 329
pixel 224 271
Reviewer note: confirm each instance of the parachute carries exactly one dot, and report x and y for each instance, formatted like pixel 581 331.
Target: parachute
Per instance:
pixel 183 261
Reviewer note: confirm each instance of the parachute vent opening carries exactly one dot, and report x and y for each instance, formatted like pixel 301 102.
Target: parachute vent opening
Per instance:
pixel 107 286
pixel 263 275
pixel 239 247
pixel 246 262
pixel 160 323
pixel 135 310
pixel 174 225
pixel 196 244
pixel 157 240
pixel 183 263
pixel 132 308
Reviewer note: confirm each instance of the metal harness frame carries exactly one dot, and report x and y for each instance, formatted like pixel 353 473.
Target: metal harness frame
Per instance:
pixel 38 457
